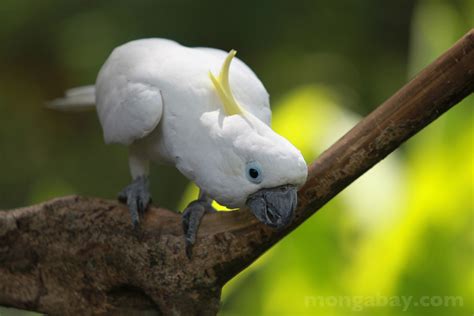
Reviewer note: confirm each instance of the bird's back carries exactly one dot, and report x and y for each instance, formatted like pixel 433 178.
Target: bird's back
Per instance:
pixel 146 81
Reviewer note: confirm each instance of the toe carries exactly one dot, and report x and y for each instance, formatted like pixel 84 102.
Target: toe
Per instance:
pixel 192 216
pixel 137 197
pixel 189 251
pixel 133 208
pixel 143 201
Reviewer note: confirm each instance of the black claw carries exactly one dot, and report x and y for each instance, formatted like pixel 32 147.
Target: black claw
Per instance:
pixel 192 216
pixel 189 251
pixel 137 197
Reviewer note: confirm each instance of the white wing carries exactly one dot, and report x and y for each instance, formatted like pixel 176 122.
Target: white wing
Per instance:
pixel 130 112
pixel 129 106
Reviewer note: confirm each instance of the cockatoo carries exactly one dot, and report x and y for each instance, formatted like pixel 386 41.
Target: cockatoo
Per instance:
pixel 206 113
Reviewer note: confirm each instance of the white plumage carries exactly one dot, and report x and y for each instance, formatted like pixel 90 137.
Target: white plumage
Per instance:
pixel 156 96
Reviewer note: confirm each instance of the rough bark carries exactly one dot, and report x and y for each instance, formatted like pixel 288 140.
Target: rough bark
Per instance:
pixel 78 255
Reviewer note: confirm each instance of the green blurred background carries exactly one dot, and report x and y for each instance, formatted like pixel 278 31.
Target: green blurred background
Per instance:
pixel 405 229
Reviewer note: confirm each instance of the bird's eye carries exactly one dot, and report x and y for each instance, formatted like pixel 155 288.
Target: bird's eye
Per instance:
pixel 253 171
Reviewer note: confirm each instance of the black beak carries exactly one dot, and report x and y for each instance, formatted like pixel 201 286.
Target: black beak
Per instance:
pixel 274 207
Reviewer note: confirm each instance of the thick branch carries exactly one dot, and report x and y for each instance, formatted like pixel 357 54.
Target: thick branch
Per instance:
pixel 79 255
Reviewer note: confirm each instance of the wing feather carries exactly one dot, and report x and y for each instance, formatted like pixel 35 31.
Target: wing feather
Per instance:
pixel 130 112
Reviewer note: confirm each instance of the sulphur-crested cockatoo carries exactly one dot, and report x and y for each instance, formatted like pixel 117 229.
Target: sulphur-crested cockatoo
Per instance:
pixel 206 113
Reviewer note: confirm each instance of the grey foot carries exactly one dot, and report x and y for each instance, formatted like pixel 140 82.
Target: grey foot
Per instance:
pixel 137 197
pixel 192 216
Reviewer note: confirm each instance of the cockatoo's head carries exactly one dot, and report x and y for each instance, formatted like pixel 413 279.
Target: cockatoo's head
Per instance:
pixel 252 165
pixel 256 167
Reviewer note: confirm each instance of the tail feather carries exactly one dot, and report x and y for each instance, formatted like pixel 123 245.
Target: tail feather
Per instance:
pixel 76 99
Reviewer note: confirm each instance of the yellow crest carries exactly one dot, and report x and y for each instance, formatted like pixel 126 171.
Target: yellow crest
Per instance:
pixel 222 86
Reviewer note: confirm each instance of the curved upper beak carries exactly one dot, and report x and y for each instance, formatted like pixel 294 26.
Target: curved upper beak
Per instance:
pixel 274 207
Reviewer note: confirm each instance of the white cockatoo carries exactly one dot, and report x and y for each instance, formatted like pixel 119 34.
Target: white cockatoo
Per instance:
pixel 206 113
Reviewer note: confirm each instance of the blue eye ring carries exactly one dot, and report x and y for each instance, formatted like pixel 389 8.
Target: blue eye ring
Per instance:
pixel 254 173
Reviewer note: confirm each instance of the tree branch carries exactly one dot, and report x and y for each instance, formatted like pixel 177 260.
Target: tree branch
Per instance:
pixel 78 255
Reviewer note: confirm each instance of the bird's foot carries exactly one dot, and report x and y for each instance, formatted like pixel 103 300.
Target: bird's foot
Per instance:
pixel 192 216
pixel 137 197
